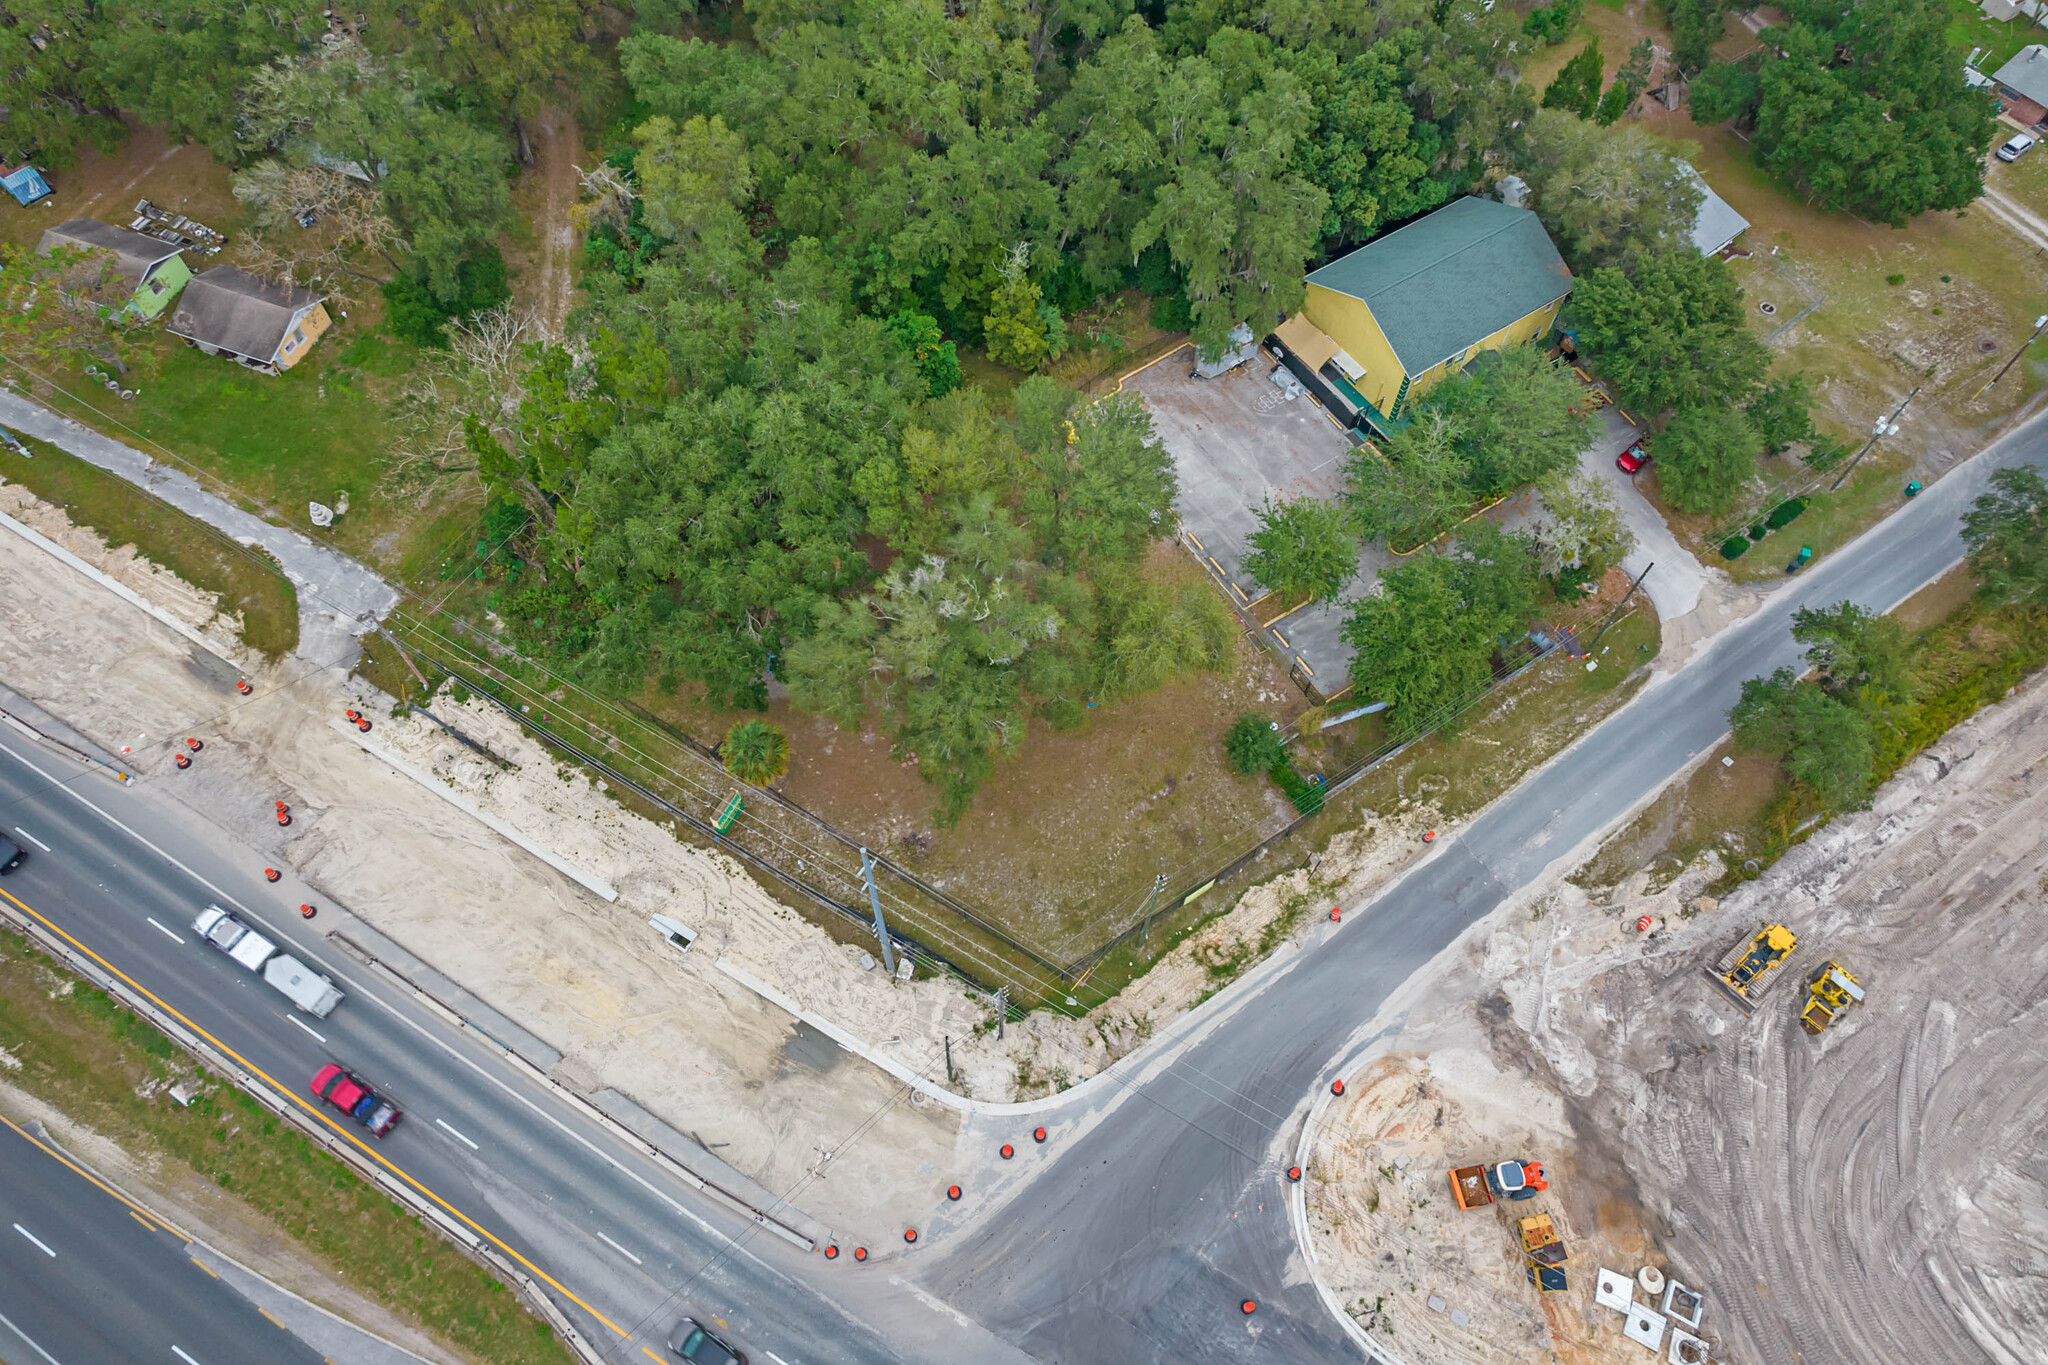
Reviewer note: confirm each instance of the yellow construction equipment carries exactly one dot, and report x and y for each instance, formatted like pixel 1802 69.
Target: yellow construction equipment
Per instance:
pixel 1754 966
pixel 1833 991
pixel 1540 1242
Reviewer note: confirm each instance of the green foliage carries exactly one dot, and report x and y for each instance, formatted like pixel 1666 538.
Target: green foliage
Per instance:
pixel 1705 458
pixel 755 752
pixel 1366 152
pixel 506 57
pixel 414 314
pixel 1576 87
pixel 1105 486
pixel 937 359
pixel 1473 437
pixel 1860 106
pixel 438 178
pixel 1253 744
pixel 1696 25
pixel 2006 539
pixel 1553 23
pixel 1303 547
pixel 1305 796
pixel 1779 412
pixel 1785 513
pixel 1015 327
pixel 1670 332
pixel 1425 644
pixel 1824 741
pixel 1630 81
pixel 1859 654
pixel 1581 533
pixel 1607 196
pixel 1735 547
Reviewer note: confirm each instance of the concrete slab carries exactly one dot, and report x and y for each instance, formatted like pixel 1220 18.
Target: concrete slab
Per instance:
pixel 1644 1326
pixel 1236 442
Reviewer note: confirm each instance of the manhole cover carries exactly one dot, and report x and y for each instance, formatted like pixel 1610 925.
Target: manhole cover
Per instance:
pixel 1985 346
pixel 1767 308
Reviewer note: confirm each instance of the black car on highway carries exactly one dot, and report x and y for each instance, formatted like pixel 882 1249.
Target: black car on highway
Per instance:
pixel 10 855
pixel 694 1342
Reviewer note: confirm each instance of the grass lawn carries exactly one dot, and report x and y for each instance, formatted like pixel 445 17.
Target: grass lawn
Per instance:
pixel 82 1053
pixel 1971 27
pixel 312 434
pixel 245 579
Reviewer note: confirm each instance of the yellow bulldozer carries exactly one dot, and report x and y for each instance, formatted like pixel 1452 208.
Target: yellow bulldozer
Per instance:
pixel 1831 992
pixel 1753 966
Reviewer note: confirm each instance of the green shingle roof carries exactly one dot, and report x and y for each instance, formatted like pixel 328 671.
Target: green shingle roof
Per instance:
pixel 1448 280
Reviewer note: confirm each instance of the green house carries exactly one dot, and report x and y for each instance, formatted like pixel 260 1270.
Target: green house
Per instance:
pixel 154 268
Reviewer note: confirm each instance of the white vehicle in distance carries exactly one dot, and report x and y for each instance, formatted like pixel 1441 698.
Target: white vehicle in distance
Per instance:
pixel 2017 146
pixel 288 976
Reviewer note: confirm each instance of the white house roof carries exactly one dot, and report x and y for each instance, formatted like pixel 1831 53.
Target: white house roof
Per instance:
pixel 2027 73
pixel 1717 223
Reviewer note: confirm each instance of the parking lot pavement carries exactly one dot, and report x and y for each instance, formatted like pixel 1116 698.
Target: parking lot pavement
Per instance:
pixel 1237 442
pixel 1675 582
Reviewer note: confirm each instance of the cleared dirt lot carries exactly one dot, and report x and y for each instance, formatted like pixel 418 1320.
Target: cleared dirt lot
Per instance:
pixel 1874 1194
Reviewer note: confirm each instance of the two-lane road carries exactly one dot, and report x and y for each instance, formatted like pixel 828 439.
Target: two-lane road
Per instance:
pixel 87 1278
pixel 1167 1207
pixel 625 1248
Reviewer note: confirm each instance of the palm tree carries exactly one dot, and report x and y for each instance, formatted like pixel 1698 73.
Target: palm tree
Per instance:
pixel 755 752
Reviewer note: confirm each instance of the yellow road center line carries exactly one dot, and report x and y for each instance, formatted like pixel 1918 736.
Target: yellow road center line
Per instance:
pixel 291 1093
pixel 202 1265
pixel 135 1210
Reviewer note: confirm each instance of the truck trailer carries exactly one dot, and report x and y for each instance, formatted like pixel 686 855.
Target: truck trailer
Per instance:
pixel 288 976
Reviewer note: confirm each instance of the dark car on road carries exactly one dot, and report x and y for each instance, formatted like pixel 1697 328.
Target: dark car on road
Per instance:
pixel 693 1342
pixel 10 855
pixel 342 1090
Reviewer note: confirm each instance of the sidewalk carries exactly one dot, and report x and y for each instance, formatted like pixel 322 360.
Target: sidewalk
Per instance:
pixel 339 599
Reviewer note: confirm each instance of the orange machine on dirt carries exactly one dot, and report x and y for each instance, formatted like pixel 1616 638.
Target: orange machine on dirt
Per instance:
pixel 1476 1186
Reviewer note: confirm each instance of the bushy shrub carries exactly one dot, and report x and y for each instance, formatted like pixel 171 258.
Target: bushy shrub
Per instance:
pixel 1252 743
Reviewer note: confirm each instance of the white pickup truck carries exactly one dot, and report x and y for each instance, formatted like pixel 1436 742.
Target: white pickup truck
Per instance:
pixel 291 978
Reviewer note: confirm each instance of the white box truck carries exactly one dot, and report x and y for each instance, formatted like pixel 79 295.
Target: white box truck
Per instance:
pixel 300 984
pixel 288 976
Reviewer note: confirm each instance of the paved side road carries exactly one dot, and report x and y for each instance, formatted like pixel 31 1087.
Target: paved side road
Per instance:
pixel 1163 1206
pixel 339 599
pixel 85 1277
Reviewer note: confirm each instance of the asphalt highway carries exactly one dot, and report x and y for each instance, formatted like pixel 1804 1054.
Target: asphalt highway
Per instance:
pixel 85 1277
pixel 1164 1208
pixel 625 1248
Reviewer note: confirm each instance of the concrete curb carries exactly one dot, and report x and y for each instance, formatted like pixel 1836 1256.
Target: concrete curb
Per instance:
pixel 1297 1218
pixel 119 589
pixel 469 808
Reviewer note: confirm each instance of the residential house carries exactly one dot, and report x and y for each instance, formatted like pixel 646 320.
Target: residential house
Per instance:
pixel 229 312
pixel 2023 84
pixel 1384 324
pixel 155 269
pixel 1716 226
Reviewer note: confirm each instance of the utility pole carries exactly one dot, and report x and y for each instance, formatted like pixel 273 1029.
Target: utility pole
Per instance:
pixel 1002 1010
pixel 1158 885
pixel 1611 616
pixel 867 874
pixel 1885 427
pixel 2039 323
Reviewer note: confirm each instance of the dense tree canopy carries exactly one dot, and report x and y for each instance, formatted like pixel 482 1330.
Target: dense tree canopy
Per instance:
pixel 2006 534
pixel 1425 643
pixel 1302 548
pixel 1669 332
pixel 1609 196
pixel 1862 105
pixel 1825 742
pixel 1705 457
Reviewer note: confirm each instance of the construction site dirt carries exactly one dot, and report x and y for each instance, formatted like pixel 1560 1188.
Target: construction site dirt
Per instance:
pixel 1874 1193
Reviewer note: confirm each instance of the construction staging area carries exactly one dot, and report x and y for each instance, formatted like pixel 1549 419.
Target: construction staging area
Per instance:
pixel 1863 1184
